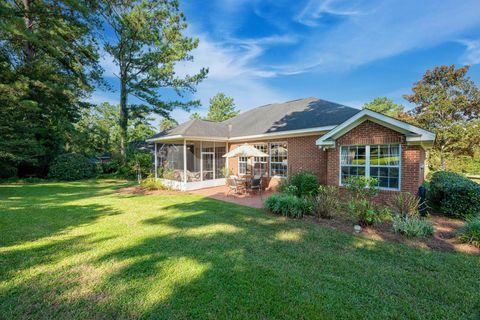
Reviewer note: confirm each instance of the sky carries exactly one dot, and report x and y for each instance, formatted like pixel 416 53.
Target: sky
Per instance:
pixel 268 51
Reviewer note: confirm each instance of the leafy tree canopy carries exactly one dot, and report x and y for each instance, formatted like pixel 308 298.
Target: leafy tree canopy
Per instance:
pixel 384 105
pixel 167 124
pixel 448 103
pixel 148 43
pixel 221 108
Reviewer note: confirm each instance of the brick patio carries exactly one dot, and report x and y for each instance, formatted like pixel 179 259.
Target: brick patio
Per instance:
pixel 220 193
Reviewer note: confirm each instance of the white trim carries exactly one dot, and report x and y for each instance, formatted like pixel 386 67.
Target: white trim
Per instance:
pixel 240 138
pixel 187 186
pixel 365 114
pixel 185 160
pixel 156 164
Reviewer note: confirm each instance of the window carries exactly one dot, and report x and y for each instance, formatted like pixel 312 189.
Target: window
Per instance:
pixel 377 161
pixel 278 159
pixel 260 164
pixel 242 165
pixel 385 165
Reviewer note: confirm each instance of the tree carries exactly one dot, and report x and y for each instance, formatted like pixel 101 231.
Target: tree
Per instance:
pixel 195 115
pixel 167 124
pixel 98 130
pixel 147 45
pixel 384 105
pixel 49 65
pixel 221 108
pixel 448 103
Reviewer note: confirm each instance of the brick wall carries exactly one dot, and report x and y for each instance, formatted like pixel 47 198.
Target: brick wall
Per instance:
pixel 368 132
pixel 303 154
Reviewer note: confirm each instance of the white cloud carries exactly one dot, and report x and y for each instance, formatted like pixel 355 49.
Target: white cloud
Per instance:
pixel 108 64
pixel 100 97
pixel 314 10
pixel 382 30
pixel 472 52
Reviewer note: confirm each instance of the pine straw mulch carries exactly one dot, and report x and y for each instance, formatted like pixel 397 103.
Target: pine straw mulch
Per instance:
pixel 136 190
pixel 444 237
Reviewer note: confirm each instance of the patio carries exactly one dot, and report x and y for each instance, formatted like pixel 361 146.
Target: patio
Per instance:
pixel 220 193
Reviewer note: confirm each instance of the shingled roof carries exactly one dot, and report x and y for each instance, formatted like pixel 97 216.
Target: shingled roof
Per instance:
pixel 299 114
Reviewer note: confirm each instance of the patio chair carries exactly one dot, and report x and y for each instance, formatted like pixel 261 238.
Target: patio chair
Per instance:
pixel 256 185
pixel 234 185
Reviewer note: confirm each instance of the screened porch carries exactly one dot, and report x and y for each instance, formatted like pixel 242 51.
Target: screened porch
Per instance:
pixel 190 165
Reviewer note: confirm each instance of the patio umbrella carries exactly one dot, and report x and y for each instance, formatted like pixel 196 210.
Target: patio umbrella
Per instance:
pixel 245 150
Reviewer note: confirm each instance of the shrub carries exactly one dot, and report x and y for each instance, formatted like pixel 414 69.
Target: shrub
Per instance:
pixel 361 205
pixel 305 182
pixel 290 189
pixel 470 232
pixel 327 202
pixel 142 160
pixel 71 166
pixel 111 166
pixel 454 194
pixel 412 226
pixel 150 183
pixel 286 205
pixel 405 204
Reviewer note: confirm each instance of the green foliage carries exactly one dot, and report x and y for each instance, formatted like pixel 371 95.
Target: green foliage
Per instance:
pixel 360 187
pixel 306 183
pixel 111 166
pixel 455 195
pixel 48 66
pixel 290 189
pixel 71 166
pixel 470 232
pixel 361 205
pixel 221 108
pixel 286 205
pixel 405 204
pixel 448 103
pixel 384 105
pixel 412 226
pixel 141 160
pixel 366 212
pixel 149 42
pixel 327 202
pixel 195 115
pixel 167 124
pixel 150 183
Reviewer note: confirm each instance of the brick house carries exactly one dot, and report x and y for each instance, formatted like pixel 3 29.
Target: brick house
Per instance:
pixel 330 140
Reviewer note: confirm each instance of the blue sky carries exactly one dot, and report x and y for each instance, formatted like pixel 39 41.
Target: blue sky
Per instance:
pixel 265 51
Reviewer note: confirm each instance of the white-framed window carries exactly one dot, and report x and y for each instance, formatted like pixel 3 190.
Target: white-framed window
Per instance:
pixel 242 165
pixel 260 164
pixel 377 161
pixel 278 159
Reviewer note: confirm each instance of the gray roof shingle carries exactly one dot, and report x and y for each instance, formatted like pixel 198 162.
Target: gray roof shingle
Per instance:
pixel 292 115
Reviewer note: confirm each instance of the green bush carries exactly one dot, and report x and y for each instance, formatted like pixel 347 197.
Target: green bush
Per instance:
pixel 305 182
pixel 405 204
pixel 111 166
pixel 290 189
pixel 150 183
pixel 286 205
pixel 470 232
pixel 361 205
pixel 71 166
pixel 454 194
pixel 144 160
pixel 327 202
pixel 412 226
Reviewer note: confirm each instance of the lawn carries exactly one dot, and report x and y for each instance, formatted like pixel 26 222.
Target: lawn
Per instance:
pixel 81 250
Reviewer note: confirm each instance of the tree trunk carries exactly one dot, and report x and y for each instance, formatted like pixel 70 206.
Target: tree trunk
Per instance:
pixel 443 162
pixel 123 118
pixel 27 46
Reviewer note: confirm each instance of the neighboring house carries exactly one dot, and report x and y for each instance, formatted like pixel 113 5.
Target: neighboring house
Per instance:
pixel 331 140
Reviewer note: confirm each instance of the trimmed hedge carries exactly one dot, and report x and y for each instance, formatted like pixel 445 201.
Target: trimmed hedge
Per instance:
pixel 470 232
pixel 454 194
pixel 71 166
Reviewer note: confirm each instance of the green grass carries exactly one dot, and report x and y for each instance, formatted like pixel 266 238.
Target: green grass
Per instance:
pixel 80 250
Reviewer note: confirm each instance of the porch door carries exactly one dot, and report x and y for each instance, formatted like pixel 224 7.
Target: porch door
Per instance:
pixel 208 169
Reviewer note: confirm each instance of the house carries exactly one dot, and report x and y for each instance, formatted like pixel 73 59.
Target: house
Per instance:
pixel 329 139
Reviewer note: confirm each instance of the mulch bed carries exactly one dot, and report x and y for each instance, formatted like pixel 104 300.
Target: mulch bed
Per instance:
pixel 444 237
pixel 139 191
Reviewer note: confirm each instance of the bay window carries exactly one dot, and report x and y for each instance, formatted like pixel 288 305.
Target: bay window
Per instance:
pixel 381 162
